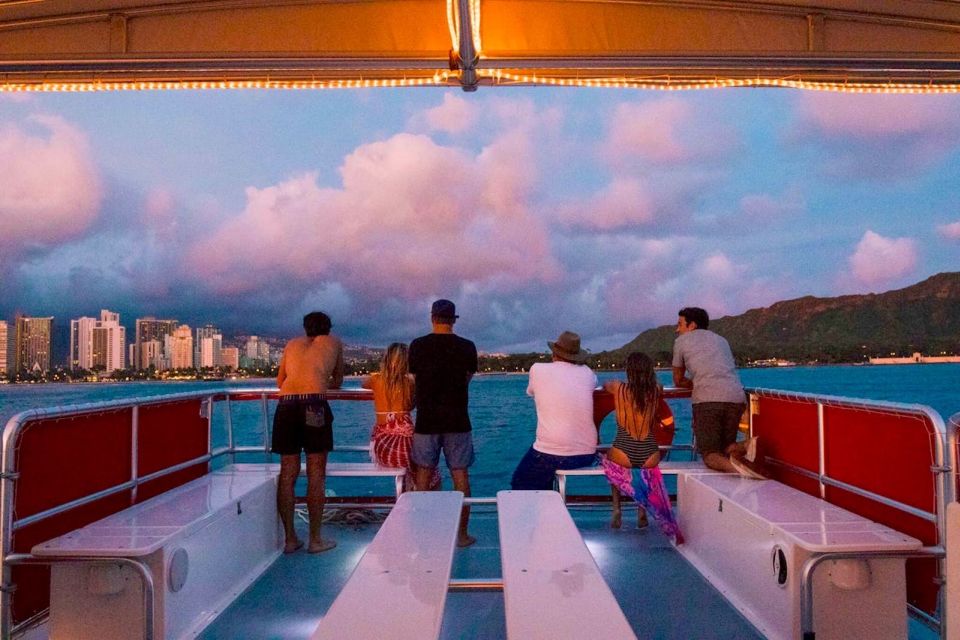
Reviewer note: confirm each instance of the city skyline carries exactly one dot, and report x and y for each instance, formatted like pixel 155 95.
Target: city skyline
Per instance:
pixel 535 210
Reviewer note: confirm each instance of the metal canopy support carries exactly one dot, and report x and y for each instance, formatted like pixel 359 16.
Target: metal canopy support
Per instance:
pixel 467 55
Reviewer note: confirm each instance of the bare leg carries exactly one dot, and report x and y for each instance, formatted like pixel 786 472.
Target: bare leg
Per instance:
pixel 461 482
pixel 616 518
pixel 289 470
pixel 423 476
pixel 316 498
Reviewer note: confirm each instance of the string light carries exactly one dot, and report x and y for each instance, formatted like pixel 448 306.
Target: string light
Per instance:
pixel 453 24
pixel 499 76
pixel 440 78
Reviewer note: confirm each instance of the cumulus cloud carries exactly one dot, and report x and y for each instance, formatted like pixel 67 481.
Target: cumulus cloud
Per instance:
pixel 667 131
pixel 50 188
pixel 878 260
pixel 765 208
pixel 878 136
pixel 454 115
pixel 625 203
pixel 410 219
pixel 950 231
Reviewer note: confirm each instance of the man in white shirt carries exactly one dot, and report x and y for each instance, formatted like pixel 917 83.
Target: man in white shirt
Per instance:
pixel 566 434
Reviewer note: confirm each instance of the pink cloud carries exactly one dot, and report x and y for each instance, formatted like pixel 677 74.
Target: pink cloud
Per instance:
pixel 878 136
pixel 453 115
pixel 950 231
pixel 50 188
pixel 411 218
pixel 878 260
pixel 667 131
pixel 623 204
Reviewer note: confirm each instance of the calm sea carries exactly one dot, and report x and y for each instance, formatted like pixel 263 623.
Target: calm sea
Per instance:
pixel 503 416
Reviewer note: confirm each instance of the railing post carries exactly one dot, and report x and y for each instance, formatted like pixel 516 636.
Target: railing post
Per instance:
pixel 230 443
pixel 821 451
pixel 134 450
pixel 266 426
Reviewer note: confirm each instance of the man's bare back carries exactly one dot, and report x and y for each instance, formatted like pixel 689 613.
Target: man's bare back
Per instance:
pixel 311 365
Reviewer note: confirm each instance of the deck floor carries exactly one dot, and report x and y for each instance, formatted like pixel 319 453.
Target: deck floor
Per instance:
pixel 660 593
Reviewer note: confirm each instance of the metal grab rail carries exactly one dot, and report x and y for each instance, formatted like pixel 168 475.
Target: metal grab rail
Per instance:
pixel 811 563
pixel 146 578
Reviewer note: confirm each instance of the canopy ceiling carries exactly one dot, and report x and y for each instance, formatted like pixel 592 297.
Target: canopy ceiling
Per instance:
pixel 96 44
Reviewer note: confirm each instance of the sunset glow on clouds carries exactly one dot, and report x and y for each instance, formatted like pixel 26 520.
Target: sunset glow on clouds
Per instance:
pixel 537 211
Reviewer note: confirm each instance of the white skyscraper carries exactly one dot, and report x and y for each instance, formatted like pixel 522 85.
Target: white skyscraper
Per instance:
pixel 4 347
pixel 210 351
pixel 179 348
pixel 98 344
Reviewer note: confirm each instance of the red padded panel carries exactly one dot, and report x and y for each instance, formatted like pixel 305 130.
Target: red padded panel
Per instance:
pixel 788 433
pixel 155 487
pixel 64 459
pixel 170 433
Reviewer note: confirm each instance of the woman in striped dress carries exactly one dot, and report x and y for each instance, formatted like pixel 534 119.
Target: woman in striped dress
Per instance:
pixel 640 411
pixel 393 398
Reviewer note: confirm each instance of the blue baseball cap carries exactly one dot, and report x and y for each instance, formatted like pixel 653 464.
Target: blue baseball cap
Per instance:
pixel 444 309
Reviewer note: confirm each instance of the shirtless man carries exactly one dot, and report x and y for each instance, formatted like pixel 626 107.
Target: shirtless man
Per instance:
pixel 303 422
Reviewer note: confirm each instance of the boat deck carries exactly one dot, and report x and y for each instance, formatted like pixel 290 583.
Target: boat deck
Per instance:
pixel 661 594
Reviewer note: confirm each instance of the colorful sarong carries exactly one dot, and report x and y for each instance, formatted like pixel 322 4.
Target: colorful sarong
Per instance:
pixel 646 487
pixel 391 443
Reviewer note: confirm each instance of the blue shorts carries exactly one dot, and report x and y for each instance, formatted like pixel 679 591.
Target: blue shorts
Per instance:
pixel 537 470
pixel 457 449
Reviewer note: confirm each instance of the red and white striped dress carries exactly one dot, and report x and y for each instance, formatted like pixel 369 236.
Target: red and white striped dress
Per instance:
pixel 391 442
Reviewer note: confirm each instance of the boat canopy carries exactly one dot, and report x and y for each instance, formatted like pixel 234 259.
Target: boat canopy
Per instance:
pixel 863 45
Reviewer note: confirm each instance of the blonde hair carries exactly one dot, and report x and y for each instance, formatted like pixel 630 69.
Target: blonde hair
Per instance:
pixel 394 371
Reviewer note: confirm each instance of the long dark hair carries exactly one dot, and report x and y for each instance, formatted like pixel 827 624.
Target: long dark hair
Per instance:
pixel 642 391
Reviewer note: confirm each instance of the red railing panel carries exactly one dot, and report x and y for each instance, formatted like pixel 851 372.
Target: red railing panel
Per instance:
pixel 788 432
pixel 64 459
pixel 170 433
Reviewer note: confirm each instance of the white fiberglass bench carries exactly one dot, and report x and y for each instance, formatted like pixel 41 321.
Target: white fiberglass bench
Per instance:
pixel 399 588
pixel 751 538
pixel 346 470
pixel 552 587
pixel 667 468
pixel 204 542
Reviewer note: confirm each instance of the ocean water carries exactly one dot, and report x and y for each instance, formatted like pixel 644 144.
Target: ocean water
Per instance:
pixel 503 415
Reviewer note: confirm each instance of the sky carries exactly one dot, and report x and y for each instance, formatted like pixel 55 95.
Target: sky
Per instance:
pixel 536 210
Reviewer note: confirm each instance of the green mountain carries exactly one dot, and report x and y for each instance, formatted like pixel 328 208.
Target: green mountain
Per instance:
pixel 924 317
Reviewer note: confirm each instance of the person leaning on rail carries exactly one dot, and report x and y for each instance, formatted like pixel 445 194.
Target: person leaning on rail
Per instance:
pixel 310 366
pixel 702 361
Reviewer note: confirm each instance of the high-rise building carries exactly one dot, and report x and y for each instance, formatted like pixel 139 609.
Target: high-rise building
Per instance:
pixel 4 347
pixel 148 329
pixel 32 344
pixel 230 357
pixel 210 351
pixel 257 352
pixel 98 344
pixel 206 331
pixel 179 348
pixel 151 355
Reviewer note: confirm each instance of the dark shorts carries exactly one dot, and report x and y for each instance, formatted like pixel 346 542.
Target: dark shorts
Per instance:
pixel 457 449
pixel 302 423
pixel 715 425
pixel 537 470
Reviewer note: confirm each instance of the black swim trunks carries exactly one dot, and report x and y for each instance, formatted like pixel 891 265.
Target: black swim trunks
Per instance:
pixel 302 422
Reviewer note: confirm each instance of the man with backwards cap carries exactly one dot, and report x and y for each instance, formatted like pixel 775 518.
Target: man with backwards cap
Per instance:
pixel 443 364
pixel 566 437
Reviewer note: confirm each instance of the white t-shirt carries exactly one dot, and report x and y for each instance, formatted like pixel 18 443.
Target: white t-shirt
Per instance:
pixel 563 394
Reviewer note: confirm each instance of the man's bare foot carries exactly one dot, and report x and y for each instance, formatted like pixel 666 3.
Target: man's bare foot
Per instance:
pixel 642 521
pixel 292 546
pixel 321 546
pixel 465 540
pixel 615 519
pixel 747 469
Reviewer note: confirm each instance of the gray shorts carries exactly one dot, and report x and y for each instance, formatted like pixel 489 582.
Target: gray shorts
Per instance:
pixel 457 449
